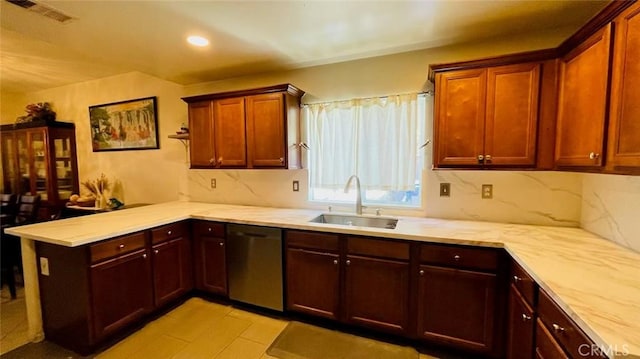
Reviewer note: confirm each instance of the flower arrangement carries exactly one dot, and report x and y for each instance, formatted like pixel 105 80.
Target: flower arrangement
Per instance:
pixel 38 111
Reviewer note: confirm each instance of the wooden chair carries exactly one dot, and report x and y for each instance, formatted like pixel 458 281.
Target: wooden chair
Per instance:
pixel 27 212
pixel 8 207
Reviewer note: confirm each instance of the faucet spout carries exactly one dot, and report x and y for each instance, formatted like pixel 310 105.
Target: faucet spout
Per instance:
pixel 358 194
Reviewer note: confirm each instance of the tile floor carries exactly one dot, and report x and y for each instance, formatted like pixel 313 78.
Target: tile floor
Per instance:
pixel 13 320
pixel 196 329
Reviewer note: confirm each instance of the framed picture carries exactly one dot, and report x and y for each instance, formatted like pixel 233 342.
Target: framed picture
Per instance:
pixel 125 125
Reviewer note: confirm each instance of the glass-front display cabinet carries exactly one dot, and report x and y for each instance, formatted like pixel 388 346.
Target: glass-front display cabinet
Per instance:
pixel 39 158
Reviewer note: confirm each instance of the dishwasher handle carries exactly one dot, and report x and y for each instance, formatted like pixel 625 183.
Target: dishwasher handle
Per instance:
pixel 243 234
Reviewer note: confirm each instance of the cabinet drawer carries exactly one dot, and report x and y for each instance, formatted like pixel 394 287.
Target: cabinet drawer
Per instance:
pixel 563 329
pixel 209 229
pixel 170 231
pixel 313 240
pixel 117 246
pixel 546 346
pixel 460 256
pixel 524 283
pixel 377 248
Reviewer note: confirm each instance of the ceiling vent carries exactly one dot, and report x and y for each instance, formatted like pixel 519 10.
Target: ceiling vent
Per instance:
pixel 42 9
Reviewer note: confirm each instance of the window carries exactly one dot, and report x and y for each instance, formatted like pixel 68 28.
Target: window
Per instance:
pixel 377 139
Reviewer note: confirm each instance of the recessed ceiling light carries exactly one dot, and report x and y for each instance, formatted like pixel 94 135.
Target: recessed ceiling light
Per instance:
pixel 197 41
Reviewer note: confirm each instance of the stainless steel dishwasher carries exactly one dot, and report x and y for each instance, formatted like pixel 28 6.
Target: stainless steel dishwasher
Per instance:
pixel 255 265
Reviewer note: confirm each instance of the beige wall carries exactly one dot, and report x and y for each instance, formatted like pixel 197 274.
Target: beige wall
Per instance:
pixel 147 176
pixel 12 105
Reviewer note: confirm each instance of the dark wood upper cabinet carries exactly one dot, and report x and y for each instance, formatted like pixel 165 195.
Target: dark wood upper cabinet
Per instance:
pixel 487 117
pixel 459 117
pixel 582 104
pixel 229 132
pixel 203 152
pixel 624 127
pixel 257 128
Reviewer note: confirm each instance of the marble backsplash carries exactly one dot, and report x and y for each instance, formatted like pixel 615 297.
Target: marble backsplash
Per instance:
pixel 543 198
pixel 611 208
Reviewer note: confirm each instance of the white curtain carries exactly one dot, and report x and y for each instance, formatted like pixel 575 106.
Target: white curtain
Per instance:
pixel 372 138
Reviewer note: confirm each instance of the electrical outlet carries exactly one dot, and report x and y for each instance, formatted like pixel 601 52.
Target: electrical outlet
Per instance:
pixel 44 266
pixel 296 186
pixel 445 189
pixel 213 183
pixel 487 191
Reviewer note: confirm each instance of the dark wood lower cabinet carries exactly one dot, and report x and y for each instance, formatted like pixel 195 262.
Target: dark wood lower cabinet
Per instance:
pixel 458 307
pixel 172 271
pixel 377 293
pixel 121 292
pixel 546 346
pixel 313 282
pixel 210 265
pixel 521 327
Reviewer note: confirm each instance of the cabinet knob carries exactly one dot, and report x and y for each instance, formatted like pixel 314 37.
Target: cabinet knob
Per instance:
pixel 480 158
pixel 221 244
pixel 421 272
pixel 121 246
pixel 212 161
pixel 144 255
pixel 557 328
pixel 210 229
pixel 156 251
pixel 525 317
pixel 516 279
pixel 219 160
pixel 281 160
pixel 169 233
pixel 348 262
pixel 456 257
pixel 594 156
pixel 487 158
pixel 335 261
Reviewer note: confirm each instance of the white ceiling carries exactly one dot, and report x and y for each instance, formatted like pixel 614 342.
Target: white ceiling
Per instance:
pixel 109 37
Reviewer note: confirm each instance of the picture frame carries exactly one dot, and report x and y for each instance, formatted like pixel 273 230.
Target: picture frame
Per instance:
pixel 124 125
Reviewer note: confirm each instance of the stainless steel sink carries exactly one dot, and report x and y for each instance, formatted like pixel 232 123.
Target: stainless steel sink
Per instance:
pixel 361 221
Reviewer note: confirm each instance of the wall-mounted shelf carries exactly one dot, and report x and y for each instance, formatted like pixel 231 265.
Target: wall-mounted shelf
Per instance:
pixel 184 138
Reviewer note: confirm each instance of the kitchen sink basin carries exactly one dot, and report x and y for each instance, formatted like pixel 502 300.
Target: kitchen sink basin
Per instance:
pixel 361 221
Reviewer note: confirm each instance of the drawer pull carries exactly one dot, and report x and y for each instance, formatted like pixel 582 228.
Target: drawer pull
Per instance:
pixel 210 229
pixel 516 279
pixel 156 251
pixel 525 317
pixel 169 233
pixel 144 255
pixel 221 244
pixel 335 261
pixel 121 246
pixel 421 272
pixel 557 328
pixel 456 257
pixel 348 262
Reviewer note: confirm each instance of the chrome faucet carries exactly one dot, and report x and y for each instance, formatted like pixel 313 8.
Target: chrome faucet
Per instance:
pixel 358 195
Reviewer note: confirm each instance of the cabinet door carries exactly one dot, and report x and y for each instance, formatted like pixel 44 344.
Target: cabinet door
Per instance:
pixel 624 130
pixel 459 117
pixel 512 115
pixel 457 307
pixel 546 346
pixel 210 264
pixel 10 176
pixel 266 137
pixel 201 142
pixel 521 327
pixel 582 104
pixel 230 136
pixel 313 282
pixel 121 292
pixel 377 293
pixel 172 271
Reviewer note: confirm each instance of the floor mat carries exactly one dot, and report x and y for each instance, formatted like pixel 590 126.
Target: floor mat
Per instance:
pixel 302 341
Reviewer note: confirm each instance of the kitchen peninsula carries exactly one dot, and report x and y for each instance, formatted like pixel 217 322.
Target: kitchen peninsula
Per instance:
pixel 593 280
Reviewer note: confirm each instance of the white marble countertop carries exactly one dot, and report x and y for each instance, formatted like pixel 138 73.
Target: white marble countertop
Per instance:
pixel 597 282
